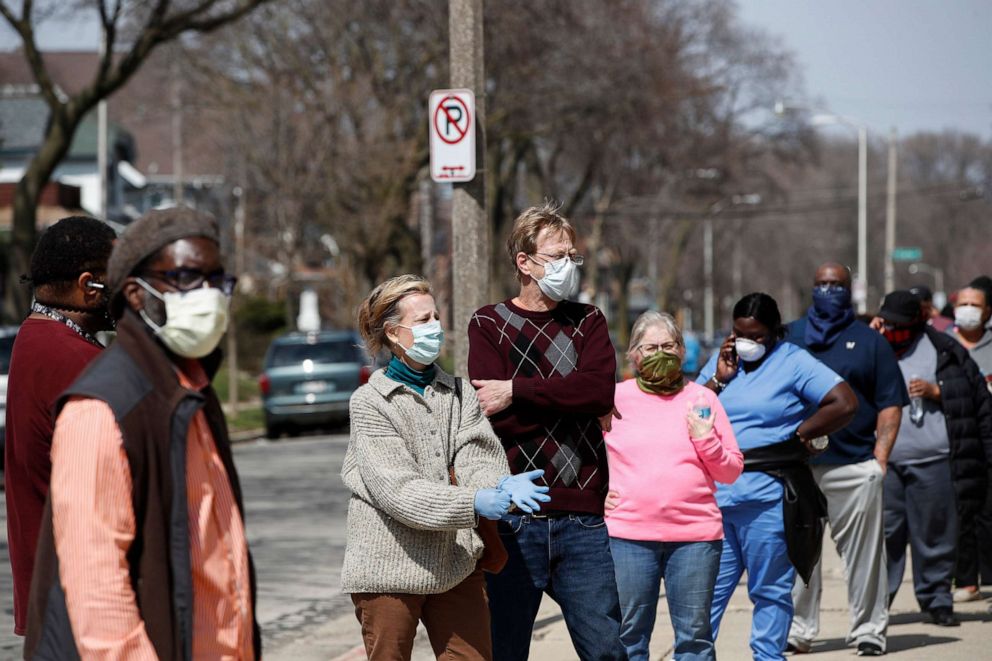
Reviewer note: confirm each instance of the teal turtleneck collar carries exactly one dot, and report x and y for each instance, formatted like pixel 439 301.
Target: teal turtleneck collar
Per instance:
pixel 397 370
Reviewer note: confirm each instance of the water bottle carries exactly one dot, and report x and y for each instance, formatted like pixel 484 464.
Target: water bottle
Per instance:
pixel 915 406
pixel 701 407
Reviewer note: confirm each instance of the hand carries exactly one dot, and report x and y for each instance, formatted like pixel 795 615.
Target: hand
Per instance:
pixel 606 422
pixel 494 396
pixel 726 365
pixel 699 427
pixel 612 500
pixel 492 503
pixel 523 492
pixel 921 388
pixel 882 458
pixel 877 323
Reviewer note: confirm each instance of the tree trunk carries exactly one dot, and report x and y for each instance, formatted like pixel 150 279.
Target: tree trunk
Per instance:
pixel 58 138
pixel 677 245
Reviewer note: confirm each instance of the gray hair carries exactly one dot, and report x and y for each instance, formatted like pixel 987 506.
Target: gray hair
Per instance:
pixel 648 320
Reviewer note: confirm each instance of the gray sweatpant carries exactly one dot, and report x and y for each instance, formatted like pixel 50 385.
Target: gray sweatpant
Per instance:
pixel 854 508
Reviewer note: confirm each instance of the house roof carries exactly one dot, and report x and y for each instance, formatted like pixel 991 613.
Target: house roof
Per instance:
pixel 141 108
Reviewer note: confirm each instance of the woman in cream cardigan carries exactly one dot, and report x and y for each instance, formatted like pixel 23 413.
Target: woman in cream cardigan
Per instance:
pixel 412 555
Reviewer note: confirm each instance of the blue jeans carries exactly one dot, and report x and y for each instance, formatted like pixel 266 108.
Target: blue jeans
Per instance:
pixel 754 540
pixel 568 557
pixel 689 570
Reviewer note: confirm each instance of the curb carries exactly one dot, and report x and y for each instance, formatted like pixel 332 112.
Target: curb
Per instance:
pixel 246 435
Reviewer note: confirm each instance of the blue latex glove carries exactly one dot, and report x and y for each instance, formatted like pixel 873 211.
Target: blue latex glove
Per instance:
pixel 525 494
pixel 492 503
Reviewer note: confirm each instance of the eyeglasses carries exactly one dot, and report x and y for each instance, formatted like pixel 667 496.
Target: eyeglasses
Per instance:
pixel 578 260
pixel 648 349
pixel 189 279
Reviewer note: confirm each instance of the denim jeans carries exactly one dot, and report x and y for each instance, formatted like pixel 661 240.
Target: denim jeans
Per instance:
pixel 568 557
pixel 689 570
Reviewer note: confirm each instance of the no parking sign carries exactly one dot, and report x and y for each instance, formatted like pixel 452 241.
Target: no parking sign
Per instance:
pixel 451 114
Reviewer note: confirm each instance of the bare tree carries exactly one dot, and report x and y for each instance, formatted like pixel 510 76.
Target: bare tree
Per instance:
pixel 131 31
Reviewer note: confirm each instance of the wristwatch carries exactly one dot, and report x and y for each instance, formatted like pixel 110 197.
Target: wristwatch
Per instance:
pixel 818 443
pixel 720 385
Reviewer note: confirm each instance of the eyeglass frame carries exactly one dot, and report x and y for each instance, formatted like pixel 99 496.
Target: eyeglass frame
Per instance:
pixel 575 258
pixel 226 283
pixel 670 347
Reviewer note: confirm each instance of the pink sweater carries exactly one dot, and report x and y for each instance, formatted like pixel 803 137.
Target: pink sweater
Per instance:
pixel 664 477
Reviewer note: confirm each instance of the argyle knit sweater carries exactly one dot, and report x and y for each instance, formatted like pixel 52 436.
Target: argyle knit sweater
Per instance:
pixel 563 369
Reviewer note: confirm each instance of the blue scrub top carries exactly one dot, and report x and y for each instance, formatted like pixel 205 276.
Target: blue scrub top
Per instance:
pixel 766 406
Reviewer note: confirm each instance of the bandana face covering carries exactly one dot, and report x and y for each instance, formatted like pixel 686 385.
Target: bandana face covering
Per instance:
pixel 901 339
pixel 661 374
pixel 830 313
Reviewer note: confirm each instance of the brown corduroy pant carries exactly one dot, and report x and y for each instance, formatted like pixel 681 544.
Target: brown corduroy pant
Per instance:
pixel 457 622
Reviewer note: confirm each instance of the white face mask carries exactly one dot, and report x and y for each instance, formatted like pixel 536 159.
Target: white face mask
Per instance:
pixel 194 320
pixel 561 279
pixel 968 317
pixel 749 350
pixel 427 341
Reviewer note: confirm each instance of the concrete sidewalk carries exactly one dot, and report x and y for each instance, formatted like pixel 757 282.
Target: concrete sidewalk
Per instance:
pixel 910 636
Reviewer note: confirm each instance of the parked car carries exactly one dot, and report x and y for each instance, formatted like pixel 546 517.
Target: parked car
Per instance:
pixel 6 345
pixel 308 379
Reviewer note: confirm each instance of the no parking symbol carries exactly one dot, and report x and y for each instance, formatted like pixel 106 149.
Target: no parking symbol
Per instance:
pixel 452 131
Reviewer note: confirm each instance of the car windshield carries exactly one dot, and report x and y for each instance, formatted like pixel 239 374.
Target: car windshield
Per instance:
pixel 339 351
pixel 6 344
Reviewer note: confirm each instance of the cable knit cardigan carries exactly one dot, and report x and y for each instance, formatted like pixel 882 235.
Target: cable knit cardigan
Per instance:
pixel 409 530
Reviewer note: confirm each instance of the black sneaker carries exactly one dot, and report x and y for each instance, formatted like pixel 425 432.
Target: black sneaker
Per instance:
pixel 944 617
pixel 869 649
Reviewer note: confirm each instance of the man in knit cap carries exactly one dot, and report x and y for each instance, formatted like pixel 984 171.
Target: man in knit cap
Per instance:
pixel 144 523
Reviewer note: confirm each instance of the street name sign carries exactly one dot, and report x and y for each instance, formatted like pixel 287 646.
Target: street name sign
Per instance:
pixel 451 114
pixel 907 254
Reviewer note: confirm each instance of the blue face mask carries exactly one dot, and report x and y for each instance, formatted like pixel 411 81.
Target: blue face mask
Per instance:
pixel 830 313
pixel 831 301
pixel 427 341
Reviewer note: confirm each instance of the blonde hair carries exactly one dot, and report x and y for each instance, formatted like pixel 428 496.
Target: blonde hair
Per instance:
pixel 382 307
pixel 529 224
pixel 648 320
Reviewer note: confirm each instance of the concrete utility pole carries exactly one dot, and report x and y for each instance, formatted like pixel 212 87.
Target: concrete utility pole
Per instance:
pixel 890 217
pixel 469 224
pixel 101 142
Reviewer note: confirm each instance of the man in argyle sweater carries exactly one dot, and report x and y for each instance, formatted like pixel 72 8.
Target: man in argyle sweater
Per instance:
pixel 544 369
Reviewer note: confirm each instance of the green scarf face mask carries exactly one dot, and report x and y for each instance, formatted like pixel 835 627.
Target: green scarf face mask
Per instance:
pixel 661 374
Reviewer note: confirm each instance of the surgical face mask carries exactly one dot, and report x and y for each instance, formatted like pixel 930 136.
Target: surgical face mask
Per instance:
pixel 561 279
pixel 195 320
pixel 968 317
pixel 749 350
pixel 427 341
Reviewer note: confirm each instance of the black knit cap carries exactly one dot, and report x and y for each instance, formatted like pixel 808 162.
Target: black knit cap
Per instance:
pixel 146 236
pixel 900 307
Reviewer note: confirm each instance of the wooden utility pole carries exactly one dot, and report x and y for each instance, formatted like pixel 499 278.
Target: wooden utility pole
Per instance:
pixel 469 225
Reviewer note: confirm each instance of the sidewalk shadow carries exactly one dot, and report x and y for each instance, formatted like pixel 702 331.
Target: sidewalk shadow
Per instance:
pixel 916 618
pixel 894 643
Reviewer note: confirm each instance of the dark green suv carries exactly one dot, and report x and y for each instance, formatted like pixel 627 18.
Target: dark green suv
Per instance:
pixel 308 379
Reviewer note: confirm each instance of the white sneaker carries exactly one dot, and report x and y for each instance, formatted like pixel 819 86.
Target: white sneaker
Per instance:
pixel 962 595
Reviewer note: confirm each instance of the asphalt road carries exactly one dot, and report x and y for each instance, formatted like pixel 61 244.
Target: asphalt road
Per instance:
pixel 296 509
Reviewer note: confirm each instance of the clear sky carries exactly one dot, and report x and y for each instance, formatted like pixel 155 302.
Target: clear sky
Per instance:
pixel 912 64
